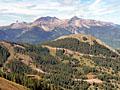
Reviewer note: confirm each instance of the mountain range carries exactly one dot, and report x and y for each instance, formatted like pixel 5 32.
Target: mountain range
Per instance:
pixel 49 28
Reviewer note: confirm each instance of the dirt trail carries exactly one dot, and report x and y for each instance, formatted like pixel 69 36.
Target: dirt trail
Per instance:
pixel 67 51
pixel 91 81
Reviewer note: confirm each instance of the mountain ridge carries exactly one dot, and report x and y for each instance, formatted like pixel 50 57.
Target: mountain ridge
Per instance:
pixel 52 19
pixel 87 38
pixel 52 28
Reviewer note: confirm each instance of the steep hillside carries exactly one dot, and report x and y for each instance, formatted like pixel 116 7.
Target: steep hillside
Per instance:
pixel 19 63
pixel 8 85
pixel 13 61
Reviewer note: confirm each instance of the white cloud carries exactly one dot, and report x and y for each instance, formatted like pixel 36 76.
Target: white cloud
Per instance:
pixel 59 8
pixel 96 2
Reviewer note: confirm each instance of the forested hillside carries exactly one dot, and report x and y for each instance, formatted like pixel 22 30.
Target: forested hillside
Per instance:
pixel 73 63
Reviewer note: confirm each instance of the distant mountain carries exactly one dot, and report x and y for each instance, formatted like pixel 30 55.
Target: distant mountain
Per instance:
pixel 49 28
pixel 2 35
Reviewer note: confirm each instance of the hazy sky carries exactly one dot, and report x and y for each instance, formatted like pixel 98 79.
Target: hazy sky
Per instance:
pixel 29 10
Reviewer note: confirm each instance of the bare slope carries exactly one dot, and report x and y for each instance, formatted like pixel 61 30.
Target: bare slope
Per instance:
pixel 8 85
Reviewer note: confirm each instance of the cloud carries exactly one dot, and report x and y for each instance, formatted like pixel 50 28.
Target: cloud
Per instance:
pixel 68 2
pixel 31 9
pixel 96 2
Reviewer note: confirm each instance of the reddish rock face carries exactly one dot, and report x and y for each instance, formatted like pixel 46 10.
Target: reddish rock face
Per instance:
pixel 49 23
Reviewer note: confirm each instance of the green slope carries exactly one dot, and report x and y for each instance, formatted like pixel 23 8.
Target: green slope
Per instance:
pixel 70 62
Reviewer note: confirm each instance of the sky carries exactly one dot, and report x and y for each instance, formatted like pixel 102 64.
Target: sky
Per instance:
pixel 29 10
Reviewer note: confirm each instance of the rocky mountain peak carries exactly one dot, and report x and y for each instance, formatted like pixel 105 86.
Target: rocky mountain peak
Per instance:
pixel 19 25
pixel 47 18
